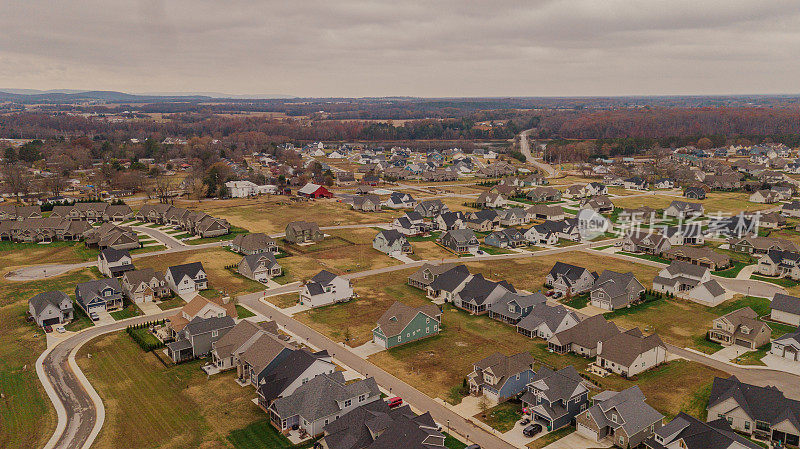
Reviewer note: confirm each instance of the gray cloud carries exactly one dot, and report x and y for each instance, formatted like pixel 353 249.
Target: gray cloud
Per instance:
pixel 426 48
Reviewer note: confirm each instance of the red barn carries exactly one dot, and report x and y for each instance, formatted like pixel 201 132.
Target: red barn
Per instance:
pixel 314 191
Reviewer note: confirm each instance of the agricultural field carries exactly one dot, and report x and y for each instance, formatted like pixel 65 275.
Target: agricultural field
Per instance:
pixel 715 202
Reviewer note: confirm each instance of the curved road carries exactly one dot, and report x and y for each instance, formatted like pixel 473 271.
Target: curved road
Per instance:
pixel 79 419
pixel 525 148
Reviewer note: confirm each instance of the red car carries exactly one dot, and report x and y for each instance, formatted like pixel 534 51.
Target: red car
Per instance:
pixel 395 402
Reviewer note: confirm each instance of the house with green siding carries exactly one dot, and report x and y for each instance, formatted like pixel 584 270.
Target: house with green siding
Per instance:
pixel 401 324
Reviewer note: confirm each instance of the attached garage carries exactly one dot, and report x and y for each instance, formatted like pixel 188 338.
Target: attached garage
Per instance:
pixel 744 343
pixel 51 321
pixel 587 432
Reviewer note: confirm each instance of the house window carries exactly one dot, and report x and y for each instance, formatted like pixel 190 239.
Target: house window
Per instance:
pixel 214 333
pixel 427 320
pixel 747 425
pixel 348 402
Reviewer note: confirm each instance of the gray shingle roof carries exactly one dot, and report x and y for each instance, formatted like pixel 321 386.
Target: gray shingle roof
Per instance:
pixel 41 300
pixel 318 397
pixel 786 303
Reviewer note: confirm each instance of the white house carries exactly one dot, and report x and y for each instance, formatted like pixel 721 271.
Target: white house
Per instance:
pixel 186 278
pixel 114 262
pixel 244 189
pixel 325 288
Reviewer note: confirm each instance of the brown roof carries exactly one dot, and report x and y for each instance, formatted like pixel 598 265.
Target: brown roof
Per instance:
pixel 625 347
pixel 263 350
pixel 695 253
pixel 240 334
pixel 399 315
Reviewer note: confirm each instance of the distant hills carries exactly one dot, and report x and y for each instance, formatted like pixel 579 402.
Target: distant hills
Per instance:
pixel 74 95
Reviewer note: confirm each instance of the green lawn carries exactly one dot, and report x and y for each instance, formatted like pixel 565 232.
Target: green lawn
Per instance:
pixel 151 404
pixel 703 344
pixel 451 442
pixel 244 312
pixel 783 282
pixel 148 249
pixel 171 303
pixel 128 312
pixel 647 257
pixel 261 435
pixel 731 272
pixel 550 437
pixel 577 302
pixel 503 416
pixel 430 238
pixel 229 236
pixel 753 357
pixel 600 248
pixel 492 250
pixel 79 319
pixel 145 335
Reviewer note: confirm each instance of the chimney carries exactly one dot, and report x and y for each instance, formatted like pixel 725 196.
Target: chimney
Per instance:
pixel 226 299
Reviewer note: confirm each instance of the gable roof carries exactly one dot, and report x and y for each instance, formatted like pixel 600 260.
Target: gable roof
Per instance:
pixel 289 370
pixel 54 298
pixel 187 269
pixel 551 316
pixel 319 397
pixel 786 303
pixel 634 413
pixel 766 404
pixel 399 315
pixel 625 347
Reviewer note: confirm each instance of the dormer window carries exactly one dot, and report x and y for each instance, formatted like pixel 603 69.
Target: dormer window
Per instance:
pixel 394 318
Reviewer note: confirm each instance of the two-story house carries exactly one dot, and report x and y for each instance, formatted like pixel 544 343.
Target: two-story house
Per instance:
pixel 260 267
pixel 401 324
pixel 499 377
pixel 555 397
pixel 741 328
pixel 51 308
pixel 460 241
pixel 303 232
pixel 630 353
pixel 391 242
pixel 325 288
pixel 569 279
pixel 99 295
pixel 622 418
pixel 614 290
pixel 114 262
pixel 144 285
pixel 187 278
pixel 196 338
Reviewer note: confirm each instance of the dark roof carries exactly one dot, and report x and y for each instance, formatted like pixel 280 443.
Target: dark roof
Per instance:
pixel 766 404
pixel 324 277
pixel 289 370
pixel 451 278
pixel 697 434
pixel 186 269
pixel 318 397
pixel 200 325
pixel 786 303
pixel 54 297
pixel 395 428
pixel 114 255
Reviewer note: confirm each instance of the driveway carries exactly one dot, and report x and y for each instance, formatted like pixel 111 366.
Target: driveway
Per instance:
pixel 149 308
pixel 729 353
pixel 576 441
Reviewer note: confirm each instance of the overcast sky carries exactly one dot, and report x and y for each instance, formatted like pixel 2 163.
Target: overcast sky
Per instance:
pixel 404 47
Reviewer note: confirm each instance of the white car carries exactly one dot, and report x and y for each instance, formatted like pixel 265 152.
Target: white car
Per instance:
pixel 61 329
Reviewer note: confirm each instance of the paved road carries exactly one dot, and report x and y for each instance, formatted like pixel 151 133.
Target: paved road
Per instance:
pixel 786 382
pixel 411 395
pixel 80 417
pixel 525 148
pixel 163 238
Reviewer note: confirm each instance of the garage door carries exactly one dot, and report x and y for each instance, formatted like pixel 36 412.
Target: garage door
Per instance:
pixel 586 432
pixel 98 308
pixel 51 322
pixel 746 344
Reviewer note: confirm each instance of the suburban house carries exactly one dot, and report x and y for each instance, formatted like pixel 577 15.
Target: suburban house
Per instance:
pixel 705 257
pixel 772 220
pixel 500 377
pixel 751 244
pixel 764 197
pixel 791 209
pixel 321 401
pixel 447 284
pixel 630 353
pixel 423 277
pixel 506 238
pixel 225 352
pixel 635 183
pixel 260 267
pixel 546 212
pixel 575 191
pixel 376 425
pixel 477 294
pixel 555 397
pixel 391 242
pixel 785 309
pixel 689 281
pixel 431 208
pixel 449 220
pixel 311 190
pixel 645 241
pixel 600 204
pixel 303 232
pixel 325 288
pixel 514 216
pixel 201 307
pixel 779 263
pixel 544 321
pixel 296 369
pixel 490 200
pixel 366 203
pixel 569 279
pixel 623 418
pixel 512 307
pixel 51 308
pixel 186 278
pixel 743 406
pixel 484 220
pixel 687 432
pixel 256 243
pixel 411 223
pixel 583 338
pixel 196 338
pixel 787 347
pixel 460 241
pixel 99 295
pixel 741 328
pixel 144 285
pixel 113 262
pixel 109 235
pixel 542 234
pixel 399 200
pixel 683 209
pixel 614 290
pixel 694 193
pixel 544 194
pixel 401 324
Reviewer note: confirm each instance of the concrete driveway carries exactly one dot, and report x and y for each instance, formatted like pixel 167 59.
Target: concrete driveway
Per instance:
pixel 729 353
pixel 576 441
pixel 149 308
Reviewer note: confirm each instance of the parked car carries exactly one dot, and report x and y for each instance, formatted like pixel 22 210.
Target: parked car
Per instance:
pixel 61 329
pixel 473 446
pixel 94 316
pixel 395 402
pixel 532 430
pixel 48 328
pixel 524 421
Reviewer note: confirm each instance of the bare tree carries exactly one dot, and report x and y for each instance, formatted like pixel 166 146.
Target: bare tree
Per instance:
pixel 56 184
pixel 164 187
pixel 17 179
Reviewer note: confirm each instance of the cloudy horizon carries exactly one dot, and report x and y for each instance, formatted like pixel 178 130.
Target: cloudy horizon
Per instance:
pixel 413 48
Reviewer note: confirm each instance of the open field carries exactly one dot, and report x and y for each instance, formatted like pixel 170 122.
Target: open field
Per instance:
pixel 271 215
pixel 172 406
pixel 214 261
pixel 723 202
pixel 358 317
